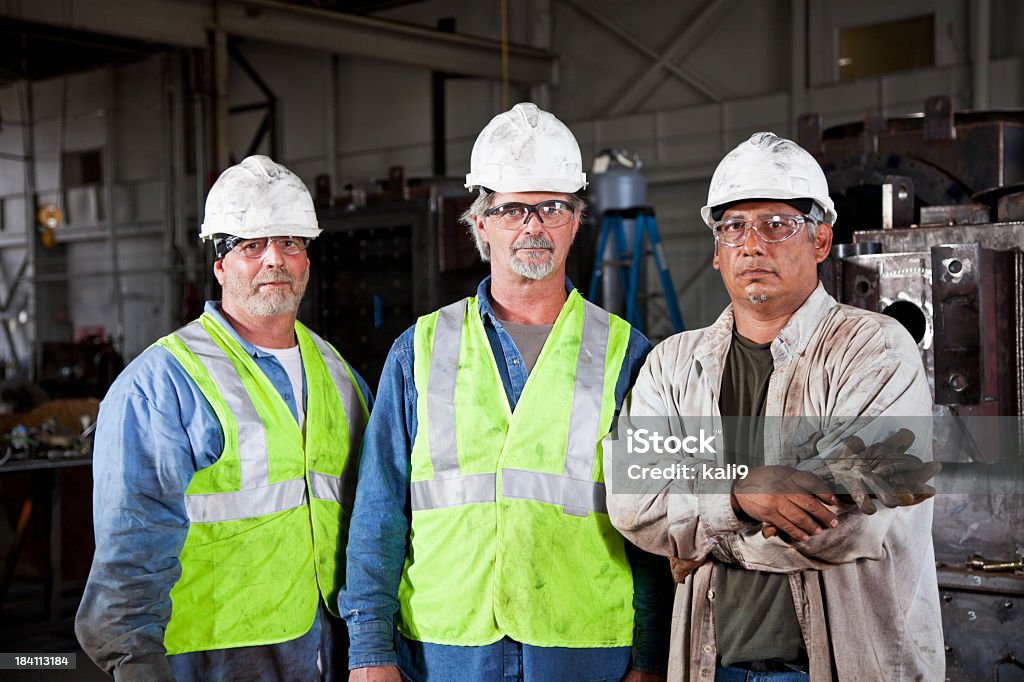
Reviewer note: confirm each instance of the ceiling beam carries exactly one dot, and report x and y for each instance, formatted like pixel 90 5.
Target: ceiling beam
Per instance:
pixel 688 37
pixel 186 23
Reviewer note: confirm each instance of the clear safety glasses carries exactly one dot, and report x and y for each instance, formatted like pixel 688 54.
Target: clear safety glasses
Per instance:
pixel 255 248
pixel 771 229
pixel 515 215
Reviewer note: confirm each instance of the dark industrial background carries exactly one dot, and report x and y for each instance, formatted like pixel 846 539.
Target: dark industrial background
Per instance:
pixel 117 115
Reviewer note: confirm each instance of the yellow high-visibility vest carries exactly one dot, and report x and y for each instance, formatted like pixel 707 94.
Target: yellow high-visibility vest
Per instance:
pixel 510 532
pixel 268 521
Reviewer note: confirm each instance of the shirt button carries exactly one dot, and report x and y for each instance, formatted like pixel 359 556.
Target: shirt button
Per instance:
pixel 711 594
pixel 515 361
pixel 707 648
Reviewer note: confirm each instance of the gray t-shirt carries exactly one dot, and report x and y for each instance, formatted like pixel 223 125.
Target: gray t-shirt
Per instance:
pixel 529 339
pixel 754 614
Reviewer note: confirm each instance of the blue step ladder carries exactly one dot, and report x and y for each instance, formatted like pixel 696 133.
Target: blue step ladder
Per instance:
pixel 628 264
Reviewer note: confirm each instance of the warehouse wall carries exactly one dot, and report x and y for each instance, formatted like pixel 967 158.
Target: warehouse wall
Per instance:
pixel 355 118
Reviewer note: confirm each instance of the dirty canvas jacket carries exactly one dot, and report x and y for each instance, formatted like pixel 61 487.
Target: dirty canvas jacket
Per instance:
pixel 865 592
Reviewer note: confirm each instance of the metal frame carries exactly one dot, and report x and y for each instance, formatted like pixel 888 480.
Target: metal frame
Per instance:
pixel 185 23
pixel 686 41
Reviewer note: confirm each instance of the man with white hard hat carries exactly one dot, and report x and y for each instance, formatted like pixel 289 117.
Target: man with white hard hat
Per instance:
pixel 481 547
pixel 224 468
pixel 809 554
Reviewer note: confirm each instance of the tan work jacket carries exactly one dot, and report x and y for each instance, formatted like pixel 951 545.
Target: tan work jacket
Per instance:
pixel 865 592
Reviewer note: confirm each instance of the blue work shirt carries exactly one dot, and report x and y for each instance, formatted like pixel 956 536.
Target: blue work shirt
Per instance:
pixel 155 431
pixel 379 530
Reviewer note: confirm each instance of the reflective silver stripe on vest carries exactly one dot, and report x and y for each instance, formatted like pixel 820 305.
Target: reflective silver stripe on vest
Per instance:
pixel 245 504
pixel 322 486
pixel 254 459
pixel 575 491
pixel 444 363
pixel 452 492
pixel 577 497
pixel 331 488
pixel 587 394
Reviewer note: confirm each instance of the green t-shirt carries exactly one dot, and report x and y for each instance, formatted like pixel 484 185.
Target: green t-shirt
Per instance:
pixel 754 614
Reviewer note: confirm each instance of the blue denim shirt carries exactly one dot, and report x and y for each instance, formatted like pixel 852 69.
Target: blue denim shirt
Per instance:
pixel 155 431
pixel 379 530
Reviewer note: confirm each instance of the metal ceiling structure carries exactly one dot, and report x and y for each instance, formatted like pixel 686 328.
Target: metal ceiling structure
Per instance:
pixel 35 51
pixel 189 23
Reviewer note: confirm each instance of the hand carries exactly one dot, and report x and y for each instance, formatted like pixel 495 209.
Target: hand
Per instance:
pixel 682 568
pixel 375 673
pixel 789 499
pixel 638 676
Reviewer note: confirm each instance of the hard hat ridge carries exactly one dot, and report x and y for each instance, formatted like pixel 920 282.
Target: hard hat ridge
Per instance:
pixel 768 167
pixel 526 149
pixel 259 198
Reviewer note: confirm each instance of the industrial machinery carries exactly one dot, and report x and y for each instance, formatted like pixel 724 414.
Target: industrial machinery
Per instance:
pixel 389 255
pixel 378 266
pixel 931 232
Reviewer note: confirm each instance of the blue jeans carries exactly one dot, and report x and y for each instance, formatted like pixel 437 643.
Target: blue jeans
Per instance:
pixel 732 674
pixel 509 661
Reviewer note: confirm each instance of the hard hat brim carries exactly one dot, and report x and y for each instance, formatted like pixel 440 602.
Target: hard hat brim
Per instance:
pixel 768 195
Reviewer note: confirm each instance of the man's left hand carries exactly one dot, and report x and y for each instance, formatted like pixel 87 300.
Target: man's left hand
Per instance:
pixel 639 676
pixel 681 568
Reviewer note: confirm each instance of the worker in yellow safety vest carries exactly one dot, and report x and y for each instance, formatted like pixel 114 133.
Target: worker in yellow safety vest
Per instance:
pixel 480 546
pixel 224 468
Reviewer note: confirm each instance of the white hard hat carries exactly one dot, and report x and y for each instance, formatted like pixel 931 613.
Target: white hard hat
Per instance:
pixel 768 167
pixel 259 198
pixel 526 149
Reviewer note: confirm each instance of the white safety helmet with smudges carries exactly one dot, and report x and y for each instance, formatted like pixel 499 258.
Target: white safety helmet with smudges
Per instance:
pixel 768 167
pixel 526 149
pixel 259 198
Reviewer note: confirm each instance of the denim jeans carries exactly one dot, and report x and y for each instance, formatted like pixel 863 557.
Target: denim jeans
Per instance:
pixel 320 654
pixel 732 674
pixel 509 661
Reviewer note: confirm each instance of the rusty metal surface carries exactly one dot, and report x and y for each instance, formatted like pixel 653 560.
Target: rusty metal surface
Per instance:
pixel 897 201
pixel 960 214
pixel 808 132
pixel 974 295
pixel 974 347
pixel 1010 207
pixel 938 119
pixel 984 154
pixel 991 236
pixel 983 628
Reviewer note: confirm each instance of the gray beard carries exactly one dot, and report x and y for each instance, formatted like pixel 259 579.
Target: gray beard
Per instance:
pixel 275 302
pixel 758 298
pixel 284 302
pixel 531 269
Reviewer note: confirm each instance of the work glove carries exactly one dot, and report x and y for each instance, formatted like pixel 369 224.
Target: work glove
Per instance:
pixel 882 472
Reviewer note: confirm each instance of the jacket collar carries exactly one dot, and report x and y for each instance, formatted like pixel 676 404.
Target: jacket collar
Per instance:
pixel 791 340
pixel 483 300
pixel 795 336
pixel 212 308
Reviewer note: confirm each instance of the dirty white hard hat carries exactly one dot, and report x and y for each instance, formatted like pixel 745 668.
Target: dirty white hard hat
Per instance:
pixel 526 149
pixel 768 167
pixel 259 198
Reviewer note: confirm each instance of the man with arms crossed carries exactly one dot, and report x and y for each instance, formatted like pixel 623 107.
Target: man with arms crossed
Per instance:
pixel 782 583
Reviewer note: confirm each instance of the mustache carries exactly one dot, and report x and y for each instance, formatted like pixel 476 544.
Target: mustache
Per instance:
pixel 273 279
pixel 755 265
pixel 534 242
